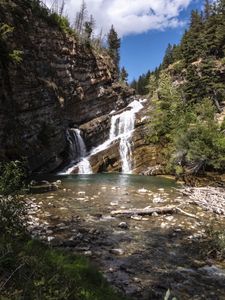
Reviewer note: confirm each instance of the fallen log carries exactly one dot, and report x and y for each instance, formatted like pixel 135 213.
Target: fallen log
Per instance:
pixel 145 211
pixel 186 214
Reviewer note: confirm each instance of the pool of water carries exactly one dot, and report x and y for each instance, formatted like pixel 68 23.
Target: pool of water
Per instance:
pixel 141 256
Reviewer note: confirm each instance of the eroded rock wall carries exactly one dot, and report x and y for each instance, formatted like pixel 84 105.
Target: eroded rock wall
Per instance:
pixel 59 83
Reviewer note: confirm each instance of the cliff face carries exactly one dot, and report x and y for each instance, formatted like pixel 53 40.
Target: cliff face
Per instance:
pixel 59 83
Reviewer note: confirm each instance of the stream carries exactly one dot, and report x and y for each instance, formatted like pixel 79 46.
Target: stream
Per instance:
pixel 142 257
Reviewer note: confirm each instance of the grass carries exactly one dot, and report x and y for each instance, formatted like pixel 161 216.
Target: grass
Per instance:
pixel 30 269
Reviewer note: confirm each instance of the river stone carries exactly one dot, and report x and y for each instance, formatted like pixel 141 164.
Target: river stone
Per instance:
pixel 88 253
pixel 155 214
pixel 123 225
pixel 136 218
pixel 114 203
pixel 142 190
pixel 50 238
pixel 117 251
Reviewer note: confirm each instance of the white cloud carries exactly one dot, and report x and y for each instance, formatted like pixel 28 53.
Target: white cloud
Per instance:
pixel 131 16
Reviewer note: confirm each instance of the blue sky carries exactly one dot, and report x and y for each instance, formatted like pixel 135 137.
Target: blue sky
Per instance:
pixel 145 26
pixel 141 52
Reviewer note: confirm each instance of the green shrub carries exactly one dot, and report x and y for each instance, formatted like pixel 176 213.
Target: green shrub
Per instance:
pixel 16 56
pixel 12 177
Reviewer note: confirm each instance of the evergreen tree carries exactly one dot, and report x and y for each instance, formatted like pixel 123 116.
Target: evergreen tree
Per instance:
pixel 114 46
pixel 133 85
pixel 168 58
pixel 207 9
pixel 220 30
pixel 192 43
pixel 123 75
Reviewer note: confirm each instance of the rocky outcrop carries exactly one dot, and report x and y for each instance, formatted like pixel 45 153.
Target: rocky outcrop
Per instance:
pixel 59 83
pixel 146 158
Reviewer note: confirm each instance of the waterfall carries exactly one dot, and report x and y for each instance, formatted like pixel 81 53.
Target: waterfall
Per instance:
pixel 77 153
pixel 122 127
pixel 77 147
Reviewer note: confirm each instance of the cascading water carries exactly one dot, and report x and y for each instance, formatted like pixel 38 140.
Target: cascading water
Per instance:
pixel 77 152
pixel 122 126
pixel 77 146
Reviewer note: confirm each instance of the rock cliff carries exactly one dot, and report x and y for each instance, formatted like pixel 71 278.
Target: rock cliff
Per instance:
pixel 59 83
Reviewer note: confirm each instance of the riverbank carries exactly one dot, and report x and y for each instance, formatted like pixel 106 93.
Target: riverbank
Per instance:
pixel 169 247
pixel 30 269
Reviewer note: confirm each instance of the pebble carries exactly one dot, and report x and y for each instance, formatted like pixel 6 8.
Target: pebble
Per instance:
pixel 142 190
pixel 88 253
pixel 50 238
pixel 155 214
pixel 117 251
pixel 114 203
pixel 169 218
pixel 136 218
pixel 163 225
pixel 81 193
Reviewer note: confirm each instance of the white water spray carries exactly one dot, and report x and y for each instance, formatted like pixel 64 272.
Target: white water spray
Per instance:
pixel 122 127
pixel 78 153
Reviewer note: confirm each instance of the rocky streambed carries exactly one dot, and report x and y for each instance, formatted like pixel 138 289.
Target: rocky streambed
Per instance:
pixel 141 255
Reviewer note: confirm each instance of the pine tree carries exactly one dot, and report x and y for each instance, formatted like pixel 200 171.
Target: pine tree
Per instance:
pixel 123 75
pixel 168 58
pixel 220 30
pixel 114 47
pixel 192 42
pixel 207 9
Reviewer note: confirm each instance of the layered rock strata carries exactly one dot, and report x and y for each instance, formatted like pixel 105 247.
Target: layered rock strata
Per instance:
pixel 59 83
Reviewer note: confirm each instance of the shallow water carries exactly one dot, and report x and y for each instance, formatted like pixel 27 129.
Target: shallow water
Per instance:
pixel 141 256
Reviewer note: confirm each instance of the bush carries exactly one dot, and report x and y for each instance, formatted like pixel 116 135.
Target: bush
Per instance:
pixel 12 177
pixel 12 215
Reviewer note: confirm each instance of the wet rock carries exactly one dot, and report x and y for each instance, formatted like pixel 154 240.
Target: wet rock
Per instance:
pixel 50 238
pixel 155 214
pixel 117 251
pixel 123 225
pixel 69 243
pixel 136 218
pixel 88 253
pixel 114 203
pixel 142 190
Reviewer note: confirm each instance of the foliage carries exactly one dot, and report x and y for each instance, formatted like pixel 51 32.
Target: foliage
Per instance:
pixel 123 75
pixel 193 137
pixel 5 29
pixel 16 56
pixel 114 46
pixel 183 115
pixel 215 246
pixel 12 215
pixel 61 21
pixel 30 269
pixel 40 272
pixel 12 177
pixel 166 103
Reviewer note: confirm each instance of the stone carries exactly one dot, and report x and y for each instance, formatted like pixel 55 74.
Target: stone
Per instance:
pixel 117 251
pixel 142 190
pixel 123 225
pixel 88 253
pixel 114 203
pixel 136 218
pixel 155 214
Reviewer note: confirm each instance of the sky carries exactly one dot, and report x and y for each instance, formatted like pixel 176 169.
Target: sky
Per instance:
pixel 144 26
